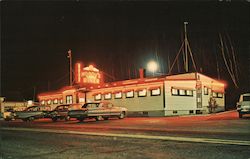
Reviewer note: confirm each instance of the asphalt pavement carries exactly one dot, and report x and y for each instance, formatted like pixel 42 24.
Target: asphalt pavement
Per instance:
pixel 221 135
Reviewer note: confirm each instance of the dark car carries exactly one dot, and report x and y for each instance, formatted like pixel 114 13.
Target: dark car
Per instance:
pixel 33 112
pixel 60 112
pixel 99 111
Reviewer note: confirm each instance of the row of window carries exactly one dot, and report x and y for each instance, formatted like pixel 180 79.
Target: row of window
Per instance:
pixel 54 101
pixel 214 94
pixel 128 94
pixel 181 92
pixel 69 100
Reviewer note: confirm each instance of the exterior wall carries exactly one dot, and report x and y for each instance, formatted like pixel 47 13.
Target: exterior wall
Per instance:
pixel 139 106
pixel 180 105
pixel 212 86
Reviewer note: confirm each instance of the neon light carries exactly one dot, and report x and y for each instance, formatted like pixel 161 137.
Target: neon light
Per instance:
pixel 78 72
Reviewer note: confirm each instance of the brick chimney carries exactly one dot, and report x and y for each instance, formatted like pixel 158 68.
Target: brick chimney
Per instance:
pixel 142 73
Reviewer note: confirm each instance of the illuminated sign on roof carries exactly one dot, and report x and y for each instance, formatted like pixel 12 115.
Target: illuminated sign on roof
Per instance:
pixel 87 75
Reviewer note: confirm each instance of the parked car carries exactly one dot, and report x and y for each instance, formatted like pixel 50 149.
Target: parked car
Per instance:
pixel 8 115
pixel 60 112
pixel 243 106
pixel 99 111
pixel 32 113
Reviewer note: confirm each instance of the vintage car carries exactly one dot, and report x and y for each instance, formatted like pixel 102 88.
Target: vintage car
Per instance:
pixel 61 111
pixel 98 110
pixel 33 112
pixel 8 115
pixel 243 106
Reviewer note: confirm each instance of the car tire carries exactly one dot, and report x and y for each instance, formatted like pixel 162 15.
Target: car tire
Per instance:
pixel 240 115
pixel 80 119
pixel 31 118
pixel 105 118
pixel 54 119
pixel 98 118
pixel 122 115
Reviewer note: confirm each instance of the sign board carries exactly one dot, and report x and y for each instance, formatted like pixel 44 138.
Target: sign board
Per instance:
pixel 87 75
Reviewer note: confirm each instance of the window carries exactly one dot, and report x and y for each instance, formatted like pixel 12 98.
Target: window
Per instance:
pixel 49 102
pixel 155 92
pixel 61 101
pixel 107 96
pixel 205 90
pixel 130 94
pixel 174 91
pixel 189 93
pixel 98 96
pixel 142 93
pixel 69 99
pixel 217 95
pixel 182 92
pixel 43 102
pixel 118 95
pixel 55 101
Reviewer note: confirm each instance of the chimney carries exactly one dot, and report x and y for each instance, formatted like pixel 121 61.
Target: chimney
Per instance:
pixel 142 73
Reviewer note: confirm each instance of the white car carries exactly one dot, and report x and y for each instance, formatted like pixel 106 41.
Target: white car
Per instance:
pixel 243 106
pixel 99 111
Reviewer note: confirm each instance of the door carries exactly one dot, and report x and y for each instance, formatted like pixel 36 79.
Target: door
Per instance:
pixel 198 94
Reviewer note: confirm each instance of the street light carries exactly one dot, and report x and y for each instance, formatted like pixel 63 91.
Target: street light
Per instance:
pixel 152 66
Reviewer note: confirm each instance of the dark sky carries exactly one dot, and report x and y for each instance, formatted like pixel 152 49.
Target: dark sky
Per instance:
pixel 115 36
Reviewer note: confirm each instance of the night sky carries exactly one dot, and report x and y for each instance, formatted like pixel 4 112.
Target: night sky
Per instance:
pixel 116 36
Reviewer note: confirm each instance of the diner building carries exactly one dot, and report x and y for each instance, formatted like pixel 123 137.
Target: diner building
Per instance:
pixel 181 94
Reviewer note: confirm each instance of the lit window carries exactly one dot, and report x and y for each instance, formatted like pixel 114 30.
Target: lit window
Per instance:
pixel 205 91
pixel 214 94
pixel 98 96
pixel 142 93
pixel 49 102
pixel 219 95
pixel 189 93
pixel 130 94
pixel 182 92
pixel 55 101
pixel 118 95
pixel 43 102
pixel 155 92
pixel 174 91
pixel 107 96
pixel 69 99
pixel 61 101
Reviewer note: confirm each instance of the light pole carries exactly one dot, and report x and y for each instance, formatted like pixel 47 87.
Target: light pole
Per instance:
pixel 152 66
pixel 70 67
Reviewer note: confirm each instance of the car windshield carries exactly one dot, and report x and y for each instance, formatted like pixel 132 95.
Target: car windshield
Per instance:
pixel 246 98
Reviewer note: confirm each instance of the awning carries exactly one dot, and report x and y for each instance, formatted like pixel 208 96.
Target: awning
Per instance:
pixel 140 89
pixel 94 94
pixel 128 90
pixel 118 91
pixel 154 88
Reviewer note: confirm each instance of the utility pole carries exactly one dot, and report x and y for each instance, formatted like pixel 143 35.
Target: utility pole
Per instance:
pixel 70 67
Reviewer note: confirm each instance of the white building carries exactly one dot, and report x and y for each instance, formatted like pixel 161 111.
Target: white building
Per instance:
pixel 180 94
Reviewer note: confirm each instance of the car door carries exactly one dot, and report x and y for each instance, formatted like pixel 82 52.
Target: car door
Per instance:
pixel 64 111
pixel 114 110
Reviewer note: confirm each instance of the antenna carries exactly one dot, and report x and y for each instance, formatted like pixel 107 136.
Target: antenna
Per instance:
pixel 185 45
